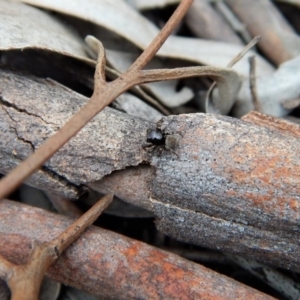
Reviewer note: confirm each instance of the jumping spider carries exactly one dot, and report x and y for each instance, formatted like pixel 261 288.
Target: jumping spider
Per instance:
pixel 156 138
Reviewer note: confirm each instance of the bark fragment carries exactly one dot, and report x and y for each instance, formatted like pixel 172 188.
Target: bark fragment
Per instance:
pixel 33 109
pixel 110 265
pixel 219 182
pixel 226 184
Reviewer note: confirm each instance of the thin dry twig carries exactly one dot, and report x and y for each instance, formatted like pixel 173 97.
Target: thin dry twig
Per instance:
pixel 238 57
pixel 25 280
pixel 251 44
pixel 104 94
pixel 113 74
pixel 253 89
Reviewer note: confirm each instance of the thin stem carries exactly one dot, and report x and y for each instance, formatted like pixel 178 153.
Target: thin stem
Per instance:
pixel 101 61
pixel 158 41
pixel 252 83
pixel 238 57
pixel 185 72
pixel 65 239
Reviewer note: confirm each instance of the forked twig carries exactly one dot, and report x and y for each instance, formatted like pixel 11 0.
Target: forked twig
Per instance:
pixel 104 94
pixel 25 280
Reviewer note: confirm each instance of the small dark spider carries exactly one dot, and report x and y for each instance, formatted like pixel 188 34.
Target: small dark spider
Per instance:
pixel 155 137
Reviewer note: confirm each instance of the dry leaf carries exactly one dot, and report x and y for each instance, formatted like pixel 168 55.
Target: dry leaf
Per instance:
pixel 35 31
pixel 205 22
pixel 120 18
pixel 272 90
pixel 145 4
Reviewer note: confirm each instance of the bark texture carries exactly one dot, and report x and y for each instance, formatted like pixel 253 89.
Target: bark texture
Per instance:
pixel 215 181
pixel 110 265
pixel 232 186
pixel 222 183
pixel 33 109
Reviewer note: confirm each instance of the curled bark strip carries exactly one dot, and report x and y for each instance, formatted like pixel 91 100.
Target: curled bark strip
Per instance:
pixel 110 265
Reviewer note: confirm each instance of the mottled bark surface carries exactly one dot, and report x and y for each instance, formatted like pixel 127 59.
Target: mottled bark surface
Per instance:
pixel 232 186
pixel 222 183
pixel 216 181
pixel 33 109
pixel 113 266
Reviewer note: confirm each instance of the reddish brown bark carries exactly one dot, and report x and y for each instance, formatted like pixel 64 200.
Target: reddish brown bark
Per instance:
pixel 111 265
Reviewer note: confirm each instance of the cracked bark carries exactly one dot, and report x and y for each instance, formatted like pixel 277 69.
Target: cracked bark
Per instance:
pixel 37 108
pixel 218 182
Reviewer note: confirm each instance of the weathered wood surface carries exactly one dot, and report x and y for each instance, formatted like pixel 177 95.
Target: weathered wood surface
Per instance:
pixel 235 186
pixel 33 109
pixel 110 265
pixel 227 184
pixel 218 181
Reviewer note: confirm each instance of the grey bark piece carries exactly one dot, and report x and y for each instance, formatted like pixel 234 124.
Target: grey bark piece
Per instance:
pixel 201 229
pixel 14 148
pixel 34 109
pixel 223 183
pixel 230 169
pixel 217 181
pixel 230 185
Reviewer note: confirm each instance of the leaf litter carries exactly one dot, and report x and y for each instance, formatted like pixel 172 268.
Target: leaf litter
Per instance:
pixel 277 90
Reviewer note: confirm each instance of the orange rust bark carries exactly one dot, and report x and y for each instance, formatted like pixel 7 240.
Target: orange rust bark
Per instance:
pixel 280 125
pixel 233 186
pixel 222 183
pixel 110 265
